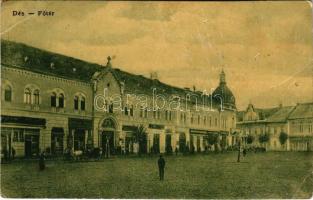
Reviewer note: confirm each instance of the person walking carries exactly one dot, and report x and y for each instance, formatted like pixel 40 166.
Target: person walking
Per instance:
pixel 13 153
pixel 161 164
pixel 244 152
pixel 42 161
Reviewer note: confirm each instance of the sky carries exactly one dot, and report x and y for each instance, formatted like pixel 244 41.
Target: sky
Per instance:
pixel 264 47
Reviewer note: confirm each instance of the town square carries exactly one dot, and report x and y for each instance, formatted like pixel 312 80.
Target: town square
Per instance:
pixel 183 100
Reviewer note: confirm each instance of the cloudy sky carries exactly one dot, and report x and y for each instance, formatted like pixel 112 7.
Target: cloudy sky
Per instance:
pixel 265 48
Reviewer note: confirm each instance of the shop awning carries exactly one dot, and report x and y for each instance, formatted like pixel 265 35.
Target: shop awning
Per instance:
pixel 129 128
pixel 74 123
pixel 21 120
pixel 197 131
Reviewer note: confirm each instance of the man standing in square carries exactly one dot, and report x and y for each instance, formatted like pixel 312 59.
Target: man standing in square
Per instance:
pixel 161 164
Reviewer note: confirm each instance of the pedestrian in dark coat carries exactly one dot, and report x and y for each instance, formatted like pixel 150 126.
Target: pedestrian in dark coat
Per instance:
pixel 42 162
pixel 244 152
pixel 13 153
pixel 161 164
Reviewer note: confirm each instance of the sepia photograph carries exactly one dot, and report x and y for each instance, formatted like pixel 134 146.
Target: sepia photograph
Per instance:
pixel 156 99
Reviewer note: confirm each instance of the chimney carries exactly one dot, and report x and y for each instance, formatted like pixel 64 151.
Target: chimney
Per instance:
pixel 154 76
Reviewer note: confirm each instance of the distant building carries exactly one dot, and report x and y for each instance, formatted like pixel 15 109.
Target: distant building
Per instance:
pixel 295 121
pixel 52 102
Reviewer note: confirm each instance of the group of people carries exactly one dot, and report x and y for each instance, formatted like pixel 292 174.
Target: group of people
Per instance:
pixel 8 155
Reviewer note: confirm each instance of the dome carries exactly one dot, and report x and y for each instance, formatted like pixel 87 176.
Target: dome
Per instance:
pixel 222 92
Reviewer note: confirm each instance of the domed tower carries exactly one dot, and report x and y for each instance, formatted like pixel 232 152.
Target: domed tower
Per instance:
pixel 223 94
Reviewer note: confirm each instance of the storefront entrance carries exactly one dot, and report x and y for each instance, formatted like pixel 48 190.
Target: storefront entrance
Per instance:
pixel 182 142
pixel 156 143
pixel 79 140
pixel 31 145
pixel 108 143
pixel 107 137
pixel 57 135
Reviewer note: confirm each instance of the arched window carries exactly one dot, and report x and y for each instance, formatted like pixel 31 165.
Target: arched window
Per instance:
pixel 36 97
pixel 7 93
pixel 53 100
pixel 27 96
pixel 82 103
pixel 61 100
pixel 76 102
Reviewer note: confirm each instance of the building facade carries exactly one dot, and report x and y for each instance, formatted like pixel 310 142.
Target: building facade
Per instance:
pixel 295 122
pixel 51 102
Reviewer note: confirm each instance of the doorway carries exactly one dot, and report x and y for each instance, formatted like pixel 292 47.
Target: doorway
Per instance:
pixel 31 145
pixel 108 143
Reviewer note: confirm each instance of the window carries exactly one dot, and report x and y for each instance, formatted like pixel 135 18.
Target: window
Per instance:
pixel 204 120
pixel 159 114
pixel 210 121
pixel 61 101
pixel 154 114
pixel 111 108
pixel 191 119
pixel 18 135
pixel 198 119
pixel 131 110
pixel 36 97
pixel 7 93
pixel 82 103
pixel 168 115
pixel 27 96
pixel 215 121
pixel 301 127
pixel 125 110
pixel 53 100
pixel 76 102
pixel 146 112
pixel 141 111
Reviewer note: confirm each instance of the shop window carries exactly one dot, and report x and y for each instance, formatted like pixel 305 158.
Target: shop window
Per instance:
pixel 7 93
pixel 18 135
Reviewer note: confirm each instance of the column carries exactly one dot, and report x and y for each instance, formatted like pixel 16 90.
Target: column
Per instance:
pixel 162 142
pixel 86 137
pixel 73 137
pixel 201 143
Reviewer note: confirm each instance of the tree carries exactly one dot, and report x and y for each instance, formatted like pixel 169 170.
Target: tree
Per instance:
pixel 141 138
pixel 264 138
pixel 283 138
pixel 212 139
pixel 250 139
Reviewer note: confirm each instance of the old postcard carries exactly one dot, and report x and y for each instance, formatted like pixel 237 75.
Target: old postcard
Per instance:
pixel 150 100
